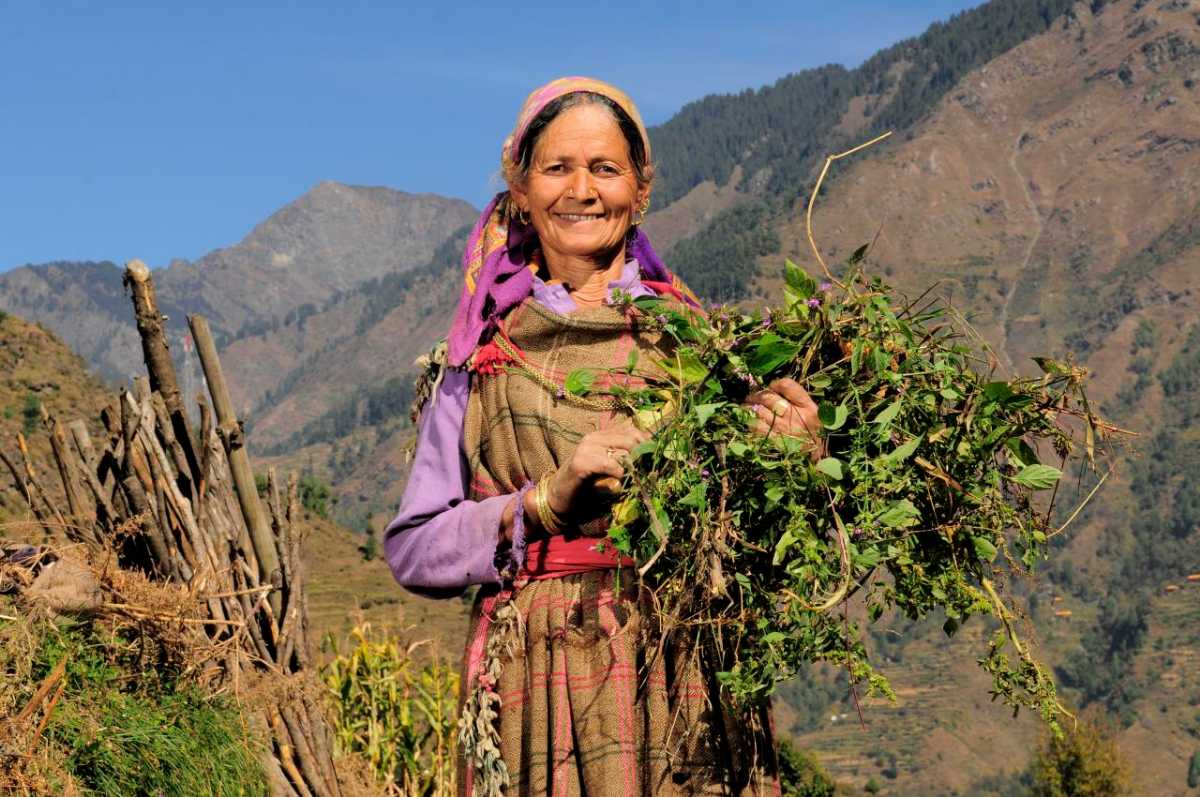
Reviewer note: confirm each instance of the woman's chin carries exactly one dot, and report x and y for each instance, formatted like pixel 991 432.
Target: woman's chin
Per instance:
pixel 583 246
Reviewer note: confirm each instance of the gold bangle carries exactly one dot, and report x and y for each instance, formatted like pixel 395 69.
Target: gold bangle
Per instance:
pixel 541 504
pixel 555 519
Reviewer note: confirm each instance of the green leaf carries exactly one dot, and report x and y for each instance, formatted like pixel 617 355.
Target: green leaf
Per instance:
pixel 695 497
pixel 770 352
pixel 631 362
pixel 831 467
pixel 1020 452
pixel 1049 366
pixel 782 547
pixel 903 452
pixel 997 391
pixel 950 627
pixel 685 366
pixel 738 448
pixel 804 285
pixel 888 413
pixel 833 417
pixel 1038 477
pixel 774 638
pixel 643 448
pixel 900 513
pixel 819 382
pixel 705 411
pixel 580 381
pixel 858 254
pixel 984 548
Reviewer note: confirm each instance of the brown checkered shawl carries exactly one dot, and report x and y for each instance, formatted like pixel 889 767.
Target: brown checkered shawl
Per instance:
pixel 589 701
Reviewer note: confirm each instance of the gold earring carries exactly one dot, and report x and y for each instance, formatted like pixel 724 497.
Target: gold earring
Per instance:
pixel 523 216
pixel 641 211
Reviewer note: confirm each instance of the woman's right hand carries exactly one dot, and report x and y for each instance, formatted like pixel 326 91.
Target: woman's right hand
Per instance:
pixel 597 457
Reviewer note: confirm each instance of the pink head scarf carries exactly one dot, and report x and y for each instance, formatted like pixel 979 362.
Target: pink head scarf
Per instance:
pixel 497 272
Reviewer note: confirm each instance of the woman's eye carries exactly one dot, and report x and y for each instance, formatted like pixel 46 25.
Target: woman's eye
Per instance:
pixel 606 168
pixel 554 168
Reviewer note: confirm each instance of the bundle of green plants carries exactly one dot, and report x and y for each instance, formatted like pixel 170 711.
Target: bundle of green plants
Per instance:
pixel 125 722
pixel 936 484
pixel 394 711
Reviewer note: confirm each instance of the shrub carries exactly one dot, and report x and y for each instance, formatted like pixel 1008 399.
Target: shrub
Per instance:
pixel 801 775
pixel 1083 760
pixel 31 413
pixel 315 496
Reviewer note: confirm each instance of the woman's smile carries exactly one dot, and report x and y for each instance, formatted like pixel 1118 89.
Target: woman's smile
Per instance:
pixel 576 218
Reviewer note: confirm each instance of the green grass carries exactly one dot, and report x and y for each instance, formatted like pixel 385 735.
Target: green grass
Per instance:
pixel 126 726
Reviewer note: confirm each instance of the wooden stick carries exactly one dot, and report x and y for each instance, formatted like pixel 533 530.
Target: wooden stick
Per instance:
pixel 36 490
pixel 83 445
pixel 239 462
pixel 159 363
pixel 286 755
pixel 37 734
pixel 62 457
pixel 303 750
pixel 48 683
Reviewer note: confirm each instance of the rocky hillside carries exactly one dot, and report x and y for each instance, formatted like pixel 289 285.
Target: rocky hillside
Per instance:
pixel 328 241
pixel 1053 196
pixel 37 370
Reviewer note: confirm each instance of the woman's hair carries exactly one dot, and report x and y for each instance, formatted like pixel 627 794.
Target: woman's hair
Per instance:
pixel 637 148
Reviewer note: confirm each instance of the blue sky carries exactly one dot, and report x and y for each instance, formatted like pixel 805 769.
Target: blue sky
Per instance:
pixel 166 129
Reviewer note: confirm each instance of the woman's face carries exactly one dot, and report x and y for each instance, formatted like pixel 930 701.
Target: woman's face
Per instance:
pixel 581 191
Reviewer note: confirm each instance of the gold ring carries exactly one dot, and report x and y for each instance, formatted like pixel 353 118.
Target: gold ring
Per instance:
pixel 611 453
pixel 781 407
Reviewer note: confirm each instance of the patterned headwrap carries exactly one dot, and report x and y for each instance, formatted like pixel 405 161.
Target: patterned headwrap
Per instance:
pixel 497 272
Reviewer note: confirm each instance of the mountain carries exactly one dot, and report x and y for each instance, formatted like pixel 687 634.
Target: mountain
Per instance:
pixel 330 240
pixel 1049 191
pixel 1052 196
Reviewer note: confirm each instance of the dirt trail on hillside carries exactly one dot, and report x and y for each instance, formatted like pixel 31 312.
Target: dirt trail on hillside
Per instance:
pixel 1033 242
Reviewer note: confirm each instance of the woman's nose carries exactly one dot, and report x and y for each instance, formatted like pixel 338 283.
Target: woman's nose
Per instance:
pixel 581 184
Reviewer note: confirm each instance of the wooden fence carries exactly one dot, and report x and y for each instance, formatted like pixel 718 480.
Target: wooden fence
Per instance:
pixel 190 497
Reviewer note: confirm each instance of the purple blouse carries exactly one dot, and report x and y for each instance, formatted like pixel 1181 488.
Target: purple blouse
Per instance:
pixel 441 542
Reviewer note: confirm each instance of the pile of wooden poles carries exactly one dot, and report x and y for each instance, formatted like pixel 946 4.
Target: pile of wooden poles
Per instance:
pixel 193 507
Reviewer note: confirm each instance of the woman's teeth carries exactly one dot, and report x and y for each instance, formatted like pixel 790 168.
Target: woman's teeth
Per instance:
pixel 577 216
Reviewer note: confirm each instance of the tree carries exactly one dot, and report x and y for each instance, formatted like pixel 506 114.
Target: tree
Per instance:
pixel 370 547
pixel 1083 762
pixel 801 775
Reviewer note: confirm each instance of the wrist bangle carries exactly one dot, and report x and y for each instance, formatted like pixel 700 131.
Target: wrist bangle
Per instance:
pixel 549 519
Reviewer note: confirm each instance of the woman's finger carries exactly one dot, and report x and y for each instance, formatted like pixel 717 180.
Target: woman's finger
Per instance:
pixel 771 400
pixel 791 390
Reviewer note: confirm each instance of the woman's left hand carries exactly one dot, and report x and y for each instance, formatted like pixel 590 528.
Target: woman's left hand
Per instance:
pixel 784 407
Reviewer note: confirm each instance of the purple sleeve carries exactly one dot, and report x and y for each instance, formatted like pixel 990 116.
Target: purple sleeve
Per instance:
pixel 440 543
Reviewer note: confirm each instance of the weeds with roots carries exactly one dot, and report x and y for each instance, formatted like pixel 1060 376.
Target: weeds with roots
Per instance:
pixel 927 495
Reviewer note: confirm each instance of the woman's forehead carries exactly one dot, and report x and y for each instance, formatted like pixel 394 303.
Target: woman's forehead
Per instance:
pixel 589 129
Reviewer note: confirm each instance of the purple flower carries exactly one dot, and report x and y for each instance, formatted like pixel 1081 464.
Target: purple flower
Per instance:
pixel 825 287
pixel 704 473
pixel 562 393
pixel 814 302
pixel 662 319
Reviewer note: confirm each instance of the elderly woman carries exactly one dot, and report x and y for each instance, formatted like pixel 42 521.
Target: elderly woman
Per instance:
pixel 567 687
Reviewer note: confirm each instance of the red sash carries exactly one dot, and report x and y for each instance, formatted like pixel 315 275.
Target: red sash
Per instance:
pixel 557 556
